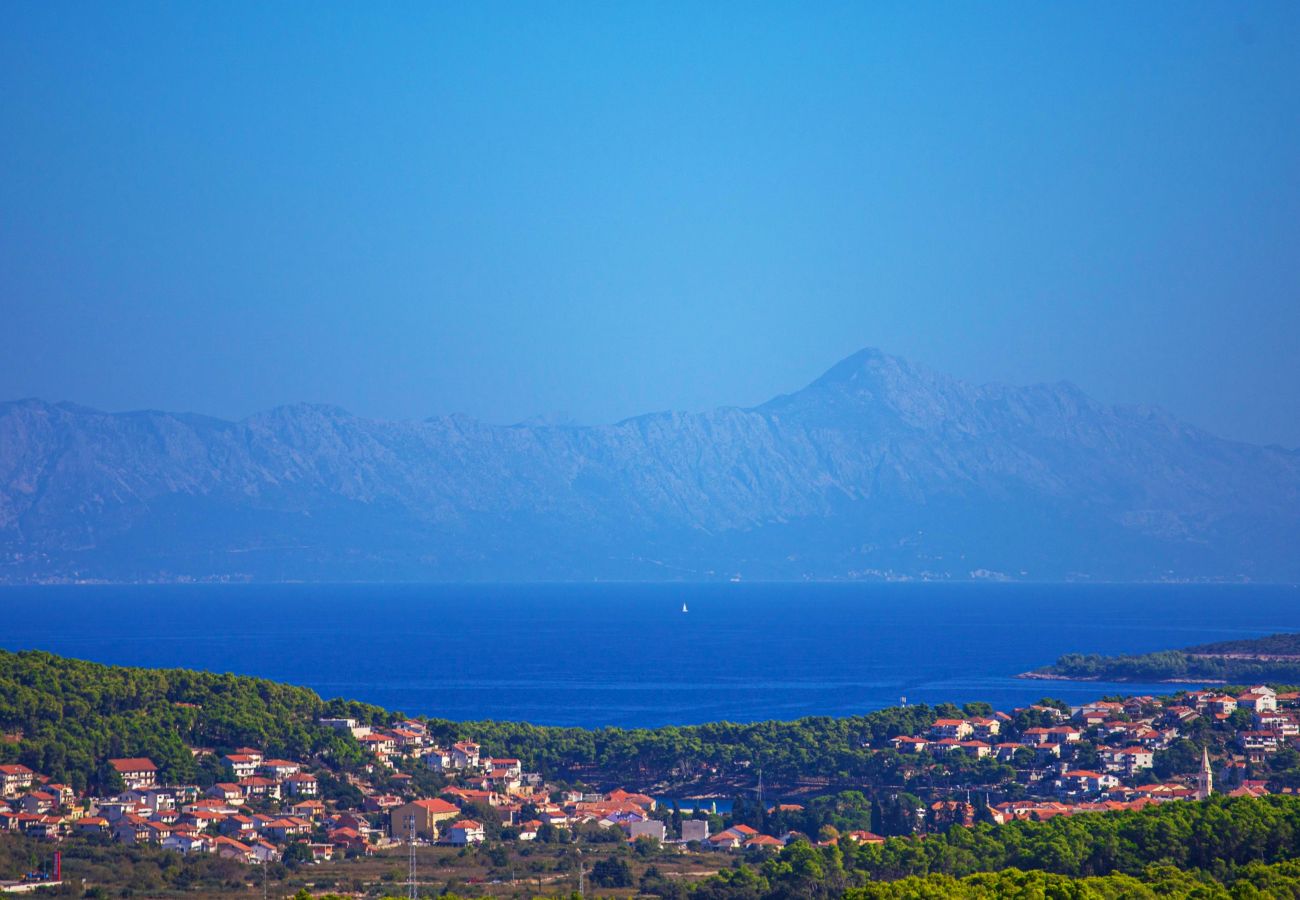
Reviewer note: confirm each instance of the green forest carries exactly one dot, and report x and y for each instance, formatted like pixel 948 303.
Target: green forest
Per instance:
pixel 1175 665
pixel 65 717
pixel 1218 848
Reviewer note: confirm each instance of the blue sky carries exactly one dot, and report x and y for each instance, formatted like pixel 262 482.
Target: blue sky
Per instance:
pixel 607 209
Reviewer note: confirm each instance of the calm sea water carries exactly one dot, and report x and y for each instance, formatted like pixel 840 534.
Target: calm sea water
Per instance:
pixel 626 654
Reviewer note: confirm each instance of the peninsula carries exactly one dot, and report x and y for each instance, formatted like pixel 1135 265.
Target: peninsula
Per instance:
pixel 1274 658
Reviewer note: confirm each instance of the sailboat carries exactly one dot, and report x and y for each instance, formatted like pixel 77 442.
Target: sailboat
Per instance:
pixel 683 606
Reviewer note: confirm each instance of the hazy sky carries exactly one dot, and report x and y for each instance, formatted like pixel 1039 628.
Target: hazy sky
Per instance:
pixel 613 208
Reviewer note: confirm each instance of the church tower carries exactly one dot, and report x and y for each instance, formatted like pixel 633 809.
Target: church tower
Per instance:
pixel 1205 780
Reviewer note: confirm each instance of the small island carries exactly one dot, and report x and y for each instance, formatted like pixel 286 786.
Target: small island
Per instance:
pixel 1274 658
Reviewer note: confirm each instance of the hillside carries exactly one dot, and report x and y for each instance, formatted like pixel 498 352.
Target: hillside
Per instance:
pixel 878 469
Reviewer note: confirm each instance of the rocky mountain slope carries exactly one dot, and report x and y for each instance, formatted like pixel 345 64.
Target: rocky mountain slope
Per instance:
pixel 878 469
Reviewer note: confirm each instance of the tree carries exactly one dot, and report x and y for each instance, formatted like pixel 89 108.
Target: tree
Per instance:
pixel 612 872
pixel 296 854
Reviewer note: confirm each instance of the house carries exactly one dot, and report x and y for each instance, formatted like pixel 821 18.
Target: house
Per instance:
pixel 985 729
pixel 39 802
pixel 651 828
pixel 1127 760
pixel 132 830
pixel 302 785
pixel 382 745
pixel 91 825
pixel 465 755
pixel 695 830
pixel 349 839
pixel 15 779
pixel 227 792
pixel 202 818
pixel 1057 734
pixel 438 759
pixel 263 851
pixel 237 826
pixel 1259 742
pixel 1082 781
pixel 864 837
pixel 469 795
pixel 508 765
pixel 554 816
pixel 136 772
pixel 732 838
pixel 1222 705
pixel 908 744
pixel 307 809
pixel 380 802
pixel 283 829
pixel 279 769
pixel 1260 698
pixel 407 740
pixel 466 831
pixel 1283 723
pixel 322 852
pixel 420 817
pixel 47 828
pixel 186 843
pixel 229 848
pixel 257 786
pixel 763 842
pixel 954 729
pixel 243 765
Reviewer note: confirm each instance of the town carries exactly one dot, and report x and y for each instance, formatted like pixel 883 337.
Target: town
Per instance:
pixel 1095 758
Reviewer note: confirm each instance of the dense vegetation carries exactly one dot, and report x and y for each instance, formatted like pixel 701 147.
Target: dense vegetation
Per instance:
pixel 1269 645
pixel 1164 882
pixel 72 715
pixel 822 745
pixel 65 717
pixel 1227 840
pixel 1176 665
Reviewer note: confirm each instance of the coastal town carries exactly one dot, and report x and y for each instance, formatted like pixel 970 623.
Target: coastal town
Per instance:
pixel 1102 756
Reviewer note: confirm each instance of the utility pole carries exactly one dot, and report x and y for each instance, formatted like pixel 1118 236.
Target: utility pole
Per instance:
pixel 410 865
pixel 582 876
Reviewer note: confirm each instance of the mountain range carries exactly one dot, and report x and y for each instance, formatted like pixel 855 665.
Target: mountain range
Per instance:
pixel 879 469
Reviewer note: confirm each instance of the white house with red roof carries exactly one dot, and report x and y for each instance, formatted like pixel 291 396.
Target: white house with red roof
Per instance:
pixel 1084 781
pixel 279 769
pixel 1260 698
pixel 954 729
pixel 14 779
pixel 243 765
pixel 1127 760
pixel 378 743
pixel 136 772
pixel 465 755
pixel 464 832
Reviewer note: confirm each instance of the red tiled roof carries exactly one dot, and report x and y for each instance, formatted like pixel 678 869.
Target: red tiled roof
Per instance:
pixel 133 764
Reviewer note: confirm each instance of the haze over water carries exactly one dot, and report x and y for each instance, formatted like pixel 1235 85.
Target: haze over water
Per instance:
pixel 626 655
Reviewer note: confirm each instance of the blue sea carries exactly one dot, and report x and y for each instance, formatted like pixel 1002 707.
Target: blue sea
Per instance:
pixel 620 654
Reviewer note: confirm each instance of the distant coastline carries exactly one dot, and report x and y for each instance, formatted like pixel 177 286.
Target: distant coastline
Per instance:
pixel 1037 675
pixel 1273 659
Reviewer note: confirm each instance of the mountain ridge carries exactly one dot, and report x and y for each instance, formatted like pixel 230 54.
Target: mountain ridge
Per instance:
pixel 877 469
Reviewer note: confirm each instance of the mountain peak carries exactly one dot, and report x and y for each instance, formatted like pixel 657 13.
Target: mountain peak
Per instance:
pixel 869 362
